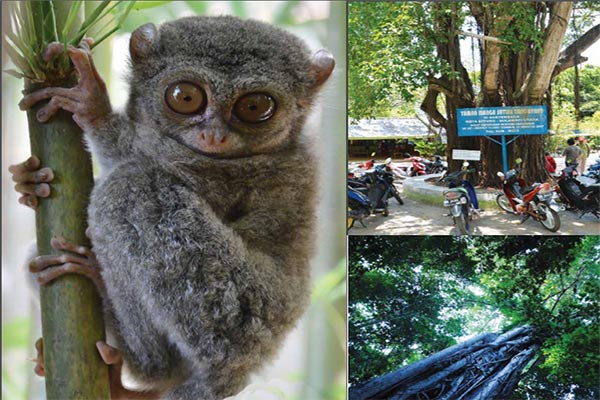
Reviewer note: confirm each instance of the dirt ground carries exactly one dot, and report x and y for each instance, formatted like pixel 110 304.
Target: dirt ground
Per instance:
pixel 415 218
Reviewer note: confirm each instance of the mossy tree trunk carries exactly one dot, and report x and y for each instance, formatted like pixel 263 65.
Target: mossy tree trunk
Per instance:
pixel 72 319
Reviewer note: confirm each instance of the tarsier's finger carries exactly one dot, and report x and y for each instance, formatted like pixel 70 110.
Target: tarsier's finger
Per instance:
pixel 43 175
pixel 52 50
pixel 50 274
pixel 31 164
pixel 57 102
pixel 43 94
pixel 60 243
pixel 86 44
pixel 29 201
pixel 81 61
pixel 42 190
pixel 40 263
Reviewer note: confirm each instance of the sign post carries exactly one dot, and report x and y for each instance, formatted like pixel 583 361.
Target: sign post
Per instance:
pixel 503 122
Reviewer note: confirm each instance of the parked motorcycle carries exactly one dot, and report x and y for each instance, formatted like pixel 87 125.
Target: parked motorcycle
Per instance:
pixel 576 195
pixel 527 201
pixel 423 166
pixel 359 207
pixel 461 198
pixel 397 170
pixel 593 171
pixel 370 193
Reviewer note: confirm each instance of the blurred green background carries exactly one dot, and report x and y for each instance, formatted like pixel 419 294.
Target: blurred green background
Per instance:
pixel 312 364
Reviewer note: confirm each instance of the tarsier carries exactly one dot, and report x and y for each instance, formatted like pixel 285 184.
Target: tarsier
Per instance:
pixel 202 220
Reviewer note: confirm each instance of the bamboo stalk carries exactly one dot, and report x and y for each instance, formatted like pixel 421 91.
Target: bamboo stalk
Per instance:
pixel 72 320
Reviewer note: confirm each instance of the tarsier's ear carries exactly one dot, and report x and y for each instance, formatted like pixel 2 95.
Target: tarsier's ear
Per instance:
pixel 140 44
pixel 321 67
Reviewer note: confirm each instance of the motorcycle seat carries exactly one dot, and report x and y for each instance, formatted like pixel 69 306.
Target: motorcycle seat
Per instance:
pixel 530 188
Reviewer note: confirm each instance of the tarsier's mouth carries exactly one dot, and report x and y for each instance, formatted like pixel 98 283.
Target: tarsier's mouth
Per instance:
pixel 229 153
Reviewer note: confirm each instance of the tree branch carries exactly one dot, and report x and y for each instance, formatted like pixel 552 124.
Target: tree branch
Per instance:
pixel 539 80
pixel 572 54
pixel 429 105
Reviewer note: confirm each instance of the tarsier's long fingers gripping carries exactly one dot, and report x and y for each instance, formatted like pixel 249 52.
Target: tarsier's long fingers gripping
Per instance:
pixel 31 181
pixel 77 260
pixel 88 101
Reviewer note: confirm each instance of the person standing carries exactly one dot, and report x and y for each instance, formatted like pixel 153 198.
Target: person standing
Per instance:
pixel 571 153
pixel 585 152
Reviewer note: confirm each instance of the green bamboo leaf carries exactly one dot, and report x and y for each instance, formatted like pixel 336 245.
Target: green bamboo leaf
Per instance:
pixel 199 7
pixel 141 5
pixel 53 21
pixel 14 73
pixel 17 58
pixel 73 10
pixel 92 18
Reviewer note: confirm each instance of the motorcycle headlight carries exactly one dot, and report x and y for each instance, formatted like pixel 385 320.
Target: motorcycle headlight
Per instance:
pixel 463 200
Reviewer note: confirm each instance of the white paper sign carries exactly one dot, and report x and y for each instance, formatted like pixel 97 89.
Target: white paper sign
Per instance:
pixel 470 155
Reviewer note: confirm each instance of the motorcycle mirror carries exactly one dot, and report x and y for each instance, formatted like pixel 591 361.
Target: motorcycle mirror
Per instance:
pixel 373 154
pixel 388 160
pixel 500 174
pixel 518 161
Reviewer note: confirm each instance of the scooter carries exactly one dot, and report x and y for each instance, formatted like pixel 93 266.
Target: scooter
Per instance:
pixel 577 195
pixel 593 171
pixel 359 207
pixel 461 198
pixel 527 201
pixel 422 166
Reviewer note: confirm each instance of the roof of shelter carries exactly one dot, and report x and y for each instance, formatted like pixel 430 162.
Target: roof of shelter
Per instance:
pixel 386 128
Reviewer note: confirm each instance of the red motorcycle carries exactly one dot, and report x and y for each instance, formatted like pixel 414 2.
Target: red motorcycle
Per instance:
pixel 527 201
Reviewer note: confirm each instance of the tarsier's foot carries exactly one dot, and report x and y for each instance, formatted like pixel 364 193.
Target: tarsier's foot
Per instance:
pixel 78 260
pixel 32 181
pixel 88 101
pixel 112 357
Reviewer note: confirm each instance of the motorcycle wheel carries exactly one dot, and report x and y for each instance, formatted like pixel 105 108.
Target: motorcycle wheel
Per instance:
pixel 462 225
pixel 503 203
pixel 552 221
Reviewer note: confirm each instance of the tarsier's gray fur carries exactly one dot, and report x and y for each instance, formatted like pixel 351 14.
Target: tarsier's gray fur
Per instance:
pixel 206 260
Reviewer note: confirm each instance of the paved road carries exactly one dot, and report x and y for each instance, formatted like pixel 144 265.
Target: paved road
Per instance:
pixel 415 218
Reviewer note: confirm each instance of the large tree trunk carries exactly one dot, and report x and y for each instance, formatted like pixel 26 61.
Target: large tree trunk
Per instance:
pixel 486 367
pixel 508 79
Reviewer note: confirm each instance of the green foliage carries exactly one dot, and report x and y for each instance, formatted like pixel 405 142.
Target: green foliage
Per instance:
pixel 516 22
pixel 589 91
pixel 35 24
pixel 410 297
pixel 429 149
pixel 389 55
pixel 15 341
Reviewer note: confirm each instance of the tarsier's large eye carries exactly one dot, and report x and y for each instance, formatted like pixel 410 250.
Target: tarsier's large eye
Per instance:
pixel 254 107
pixel 185 98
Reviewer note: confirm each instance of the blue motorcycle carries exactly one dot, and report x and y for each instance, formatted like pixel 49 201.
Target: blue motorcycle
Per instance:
pixel 462 200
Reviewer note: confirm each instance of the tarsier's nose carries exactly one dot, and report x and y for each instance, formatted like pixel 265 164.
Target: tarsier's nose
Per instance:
pixel 213 142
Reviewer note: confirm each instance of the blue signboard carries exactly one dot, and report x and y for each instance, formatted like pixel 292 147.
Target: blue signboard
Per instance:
pixel 502 121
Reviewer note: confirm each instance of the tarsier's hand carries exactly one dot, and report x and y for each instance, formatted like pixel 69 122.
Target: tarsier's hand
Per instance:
pixel 32 181
pixel 88 101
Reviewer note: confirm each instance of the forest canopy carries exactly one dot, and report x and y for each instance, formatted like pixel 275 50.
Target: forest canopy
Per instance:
pixel 412 297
